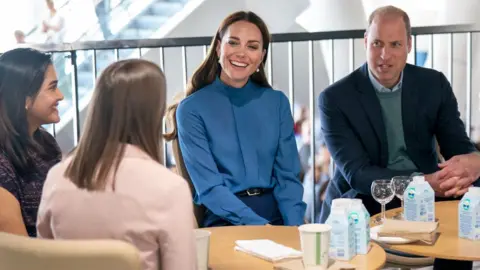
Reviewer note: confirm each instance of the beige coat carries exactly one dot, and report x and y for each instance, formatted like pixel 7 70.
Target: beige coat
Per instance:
pixel 151 208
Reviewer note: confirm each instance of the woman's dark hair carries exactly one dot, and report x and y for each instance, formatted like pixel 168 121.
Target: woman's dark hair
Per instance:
pixel 210 68
pixel 22 72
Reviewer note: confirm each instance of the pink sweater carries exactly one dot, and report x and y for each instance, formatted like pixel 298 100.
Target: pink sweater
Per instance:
pixel 151 208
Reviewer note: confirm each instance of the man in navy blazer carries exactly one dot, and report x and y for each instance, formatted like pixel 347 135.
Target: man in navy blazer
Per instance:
pixel 382 120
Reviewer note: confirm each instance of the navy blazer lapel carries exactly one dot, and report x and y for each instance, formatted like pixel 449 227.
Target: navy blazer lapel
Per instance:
pixel 373 109
pixel 410 106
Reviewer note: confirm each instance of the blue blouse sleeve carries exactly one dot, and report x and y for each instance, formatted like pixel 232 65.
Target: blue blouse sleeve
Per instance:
pixel 202 169
pixel 288 190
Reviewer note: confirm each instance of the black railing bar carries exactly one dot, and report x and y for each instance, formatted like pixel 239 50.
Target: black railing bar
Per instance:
pixel 206 40
pixel 468 101
pixel 291 77
pixel 204 51
pixel 117 54
pixel 351 59
pixel 270 65
pixel 431 46
pixel 94 65
pixel 450 58
pixel 311 102
pixel 184 67
pixel 414 45
pixel 75 97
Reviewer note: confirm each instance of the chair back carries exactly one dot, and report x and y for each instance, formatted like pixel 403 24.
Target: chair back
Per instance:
pixel 198 210
pixel 20 253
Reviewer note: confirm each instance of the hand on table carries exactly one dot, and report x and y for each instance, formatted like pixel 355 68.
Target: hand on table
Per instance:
pixel 456 175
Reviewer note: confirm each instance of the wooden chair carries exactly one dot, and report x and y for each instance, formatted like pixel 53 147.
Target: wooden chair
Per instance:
pixel 198 210
pixel 22 253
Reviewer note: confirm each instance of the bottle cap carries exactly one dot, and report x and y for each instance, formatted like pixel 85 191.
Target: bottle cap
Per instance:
pixel 418 179
pixel 341 203
pixel 474 190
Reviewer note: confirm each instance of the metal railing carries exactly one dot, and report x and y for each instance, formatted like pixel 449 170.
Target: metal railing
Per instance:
pixel 286 67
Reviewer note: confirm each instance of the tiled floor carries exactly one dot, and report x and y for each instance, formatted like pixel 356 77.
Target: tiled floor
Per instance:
pixel 476 266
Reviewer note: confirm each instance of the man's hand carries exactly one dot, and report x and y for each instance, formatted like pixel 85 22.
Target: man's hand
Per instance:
pixel 434 183
pixel 458 173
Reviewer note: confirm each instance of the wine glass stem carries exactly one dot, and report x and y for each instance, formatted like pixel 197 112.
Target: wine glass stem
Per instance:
pixel 383 211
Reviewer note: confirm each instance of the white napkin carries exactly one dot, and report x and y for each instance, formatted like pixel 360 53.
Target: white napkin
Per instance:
pixel 267 249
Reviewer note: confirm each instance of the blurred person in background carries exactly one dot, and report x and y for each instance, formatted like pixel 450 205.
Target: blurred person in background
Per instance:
pixel 316 176
pixel 54 24
pixel 19 37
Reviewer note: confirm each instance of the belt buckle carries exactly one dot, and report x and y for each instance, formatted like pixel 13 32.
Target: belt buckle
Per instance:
pixel 253 193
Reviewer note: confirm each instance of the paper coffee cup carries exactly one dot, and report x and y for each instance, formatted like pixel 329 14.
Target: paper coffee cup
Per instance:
pixel 315 241
pixel 203 246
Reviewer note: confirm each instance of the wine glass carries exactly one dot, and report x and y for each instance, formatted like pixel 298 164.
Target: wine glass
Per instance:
pixel 382 192
pixel 400 183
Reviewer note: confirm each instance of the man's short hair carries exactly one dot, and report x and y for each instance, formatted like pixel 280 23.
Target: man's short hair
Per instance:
pixel 391 11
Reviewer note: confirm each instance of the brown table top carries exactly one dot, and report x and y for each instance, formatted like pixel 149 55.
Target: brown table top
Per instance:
pixel 448 244
pixel 223 255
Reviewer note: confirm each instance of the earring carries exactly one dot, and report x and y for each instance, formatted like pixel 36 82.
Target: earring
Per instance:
pixel 26 107
pixel 258 70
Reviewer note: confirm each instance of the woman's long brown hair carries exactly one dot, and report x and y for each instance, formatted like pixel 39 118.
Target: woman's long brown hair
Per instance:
pixel 126 108
pixel 210 68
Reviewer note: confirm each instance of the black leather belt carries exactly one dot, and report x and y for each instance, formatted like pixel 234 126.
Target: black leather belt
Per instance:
pixel 253 192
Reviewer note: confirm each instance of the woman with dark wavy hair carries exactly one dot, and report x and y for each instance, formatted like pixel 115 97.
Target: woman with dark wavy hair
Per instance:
pixel 28 99
pixel 236 133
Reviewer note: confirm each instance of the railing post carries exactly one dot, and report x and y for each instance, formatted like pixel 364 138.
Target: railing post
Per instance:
pixel 76 118
pixel 311 90
pixel 291 85
pixel 468 101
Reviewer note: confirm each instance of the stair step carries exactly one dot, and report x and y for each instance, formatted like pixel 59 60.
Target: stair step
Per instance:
pixel 177 1
pixel 149 21
pixel 165 8
pixel 132 33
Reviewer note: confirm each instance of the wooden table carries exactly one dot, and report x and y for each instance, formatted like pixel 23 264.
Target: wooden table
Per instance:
pixel 448 244
pixel 223 255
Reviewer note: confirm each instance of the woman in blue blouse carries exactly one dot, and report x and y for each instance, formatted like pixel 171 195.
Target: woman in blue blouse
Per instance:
pixel 236 133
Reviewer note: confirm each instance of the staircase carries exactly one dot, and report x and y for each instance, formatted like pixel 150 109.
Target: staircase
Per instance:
pixel 143 25
pixel 146 23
